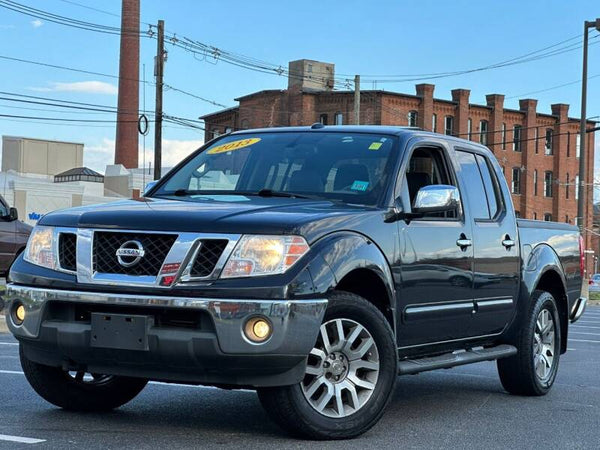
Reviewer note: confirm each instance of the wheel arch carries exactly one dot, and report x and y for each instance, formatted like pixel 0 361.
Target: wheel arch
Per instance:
pixel 543 271
pixel 359 266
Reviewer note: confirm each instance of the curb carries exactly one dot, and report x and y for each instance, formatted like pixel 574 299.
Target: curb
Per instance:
pixel 3 326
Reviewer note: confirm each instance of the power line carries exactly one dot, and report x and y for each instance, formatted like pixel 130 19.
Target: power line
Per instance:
pixel 116 77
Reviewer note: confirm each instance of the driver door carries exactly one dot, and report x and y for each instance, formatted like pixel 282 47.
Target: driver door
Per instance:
pixel 435 289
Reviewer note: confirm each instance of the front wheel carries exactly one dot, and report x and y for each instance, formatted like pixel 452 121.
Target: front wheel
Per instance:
pixel 533 369
pixel 80 391
pixel 349 379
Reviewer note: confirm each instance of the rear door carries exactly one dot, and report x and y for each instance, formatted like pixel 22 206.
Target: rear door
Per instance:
pixel 496 255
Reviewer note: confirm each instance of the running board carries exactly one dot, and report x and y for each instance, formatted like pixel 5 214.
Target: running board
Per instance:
pixel 459 358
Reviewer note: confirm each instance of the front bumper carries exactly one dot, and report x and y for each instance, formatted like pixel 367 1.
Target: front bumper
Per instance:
pixel 212 350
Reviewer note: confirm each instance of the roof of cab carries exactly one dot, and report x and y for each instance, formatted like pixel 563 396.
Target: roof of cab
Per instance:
pixel 379 129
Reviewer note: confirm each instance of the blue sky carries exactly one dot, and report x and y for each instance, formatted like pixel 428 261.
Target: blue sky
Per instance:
pixel 383 37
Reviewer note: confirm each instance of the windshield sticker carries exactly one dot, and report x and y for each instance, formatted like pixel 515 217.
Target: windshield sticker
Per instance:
pixel 231 146
pixel 375 145
pixel 359 185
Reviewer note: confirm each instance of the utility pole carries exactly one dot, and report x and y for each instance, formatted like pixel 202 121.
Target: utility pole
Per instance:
pixel 581 216
pixel 159 64
pixel 357 100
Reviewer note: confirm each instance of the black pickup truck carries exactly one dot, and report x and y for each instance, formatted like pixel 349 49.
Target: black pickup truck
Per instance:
pixel 312 264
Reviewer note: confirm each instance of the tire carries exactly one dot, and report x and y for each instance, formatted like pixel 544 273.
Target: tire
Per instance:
pixel 296 408
pixel 533 369
pixel 94 393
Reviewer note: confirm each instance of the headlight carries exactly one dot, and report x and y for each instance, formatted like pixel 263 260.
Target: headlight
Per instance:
pixel 264 255
pixel 41 246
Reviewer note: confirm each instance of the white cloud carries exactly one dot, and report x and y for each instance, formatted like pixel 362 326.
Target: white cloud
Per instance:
pixel 175 150
pixel 98 156
pixel 87 87
pixel 37 23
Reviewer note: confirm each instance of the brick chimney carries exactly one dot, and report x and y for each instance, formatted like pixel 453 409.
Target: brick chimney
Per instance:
pixel 126 145
pixel 461 97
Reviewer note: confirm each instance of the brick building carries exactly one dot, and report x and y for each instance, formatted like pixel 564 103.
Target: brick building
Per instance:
pixel 538 152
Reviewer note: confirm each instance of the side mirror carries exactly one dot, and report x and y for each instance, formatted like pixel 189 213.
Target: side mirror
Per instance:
pixel 12 215
pixel 149 186
pixel 436 198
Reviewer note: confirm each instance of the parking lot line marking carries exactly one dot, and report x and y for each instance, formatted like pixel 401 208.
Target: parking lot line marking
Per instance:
pixel 585 326
pixel 584 340
pixel 584 332
pixel 12 372
pixel 9 343
pixel 20 439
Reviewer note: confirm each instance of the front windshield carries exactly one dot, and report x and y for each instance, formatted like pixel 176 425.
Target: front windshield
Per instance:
pixel 348 167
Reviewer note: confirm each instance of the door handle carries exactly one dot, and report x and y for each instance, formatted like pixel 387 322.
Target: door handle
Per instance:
pixel 508 242
pixel 463 242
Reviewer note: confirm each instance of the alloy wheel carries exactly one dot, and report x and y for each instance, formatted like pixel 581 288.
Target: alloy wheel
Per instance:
pixel 342 369
pixel 544 343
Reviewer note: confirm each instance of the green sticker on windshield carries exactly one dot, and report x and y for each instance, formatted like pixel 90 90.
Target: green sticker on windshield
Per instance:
pixel 375 145
pixel 359 185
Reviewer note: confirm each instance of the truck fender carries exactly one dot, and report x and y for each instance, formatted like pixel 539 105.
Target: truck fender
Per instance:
pixel 345 252
pixel 542 261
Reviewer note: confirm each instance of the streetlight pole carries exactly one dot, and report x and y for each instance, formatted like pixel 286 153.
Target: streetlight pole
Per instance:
pixel 582 124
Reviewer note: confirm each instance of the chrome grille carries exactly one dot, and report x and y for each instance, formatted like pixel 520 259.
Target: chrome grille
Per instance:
pixel 207 257
pixel 156 247
pixel 67 251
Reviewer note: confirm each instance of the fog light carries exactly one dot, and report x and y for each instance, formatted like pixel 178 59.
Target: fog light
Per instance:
pixel 19 314
pixel 258 329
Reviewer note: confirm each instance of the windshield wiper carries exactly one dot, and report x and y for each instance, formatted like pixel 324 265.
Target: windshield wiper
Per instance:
pixel 272 193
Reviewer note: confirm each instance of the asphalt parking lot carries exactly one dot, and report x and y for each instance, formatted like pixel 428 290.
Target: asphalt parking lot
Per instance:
pixel 461 408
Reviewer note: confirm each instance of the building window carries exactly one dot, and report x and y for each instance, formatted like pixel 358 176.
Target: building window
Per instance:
pixel 470 129
pixel 516 180
pixel 323 119
pixel 449 125
pixel 228 130
pixel 412 118
pixel 548 146
pixel 576 187
pixel 309 68
pixel 534 216
pixel 548 184
pixel 536 135
pixel 483 130
pixel 503 136
pixel 504 171
pixel 216 133
pixel 567 186
pixel 568 144
pixel 517 214
pixel 339 118
pixel 434 123
pixel 517 138
pixel 577 145
pixel 535 182
pixel 244 124
pixel 548 217
pixel 567 218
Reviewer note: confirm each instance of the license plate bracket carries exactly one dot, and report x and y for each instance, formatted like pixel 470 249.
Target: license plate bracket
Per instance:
pixel 119 331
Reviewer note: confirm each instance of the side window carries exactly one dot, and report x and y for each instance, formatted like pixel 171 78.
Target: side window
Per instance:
pixel 469 170
pixel 490 182
pixel 427 166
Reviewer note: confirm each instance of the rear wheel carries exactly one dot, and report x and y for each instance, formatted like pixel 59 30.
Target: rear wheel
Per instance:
pixel 533 369
pixel 350 375
pixel 80 391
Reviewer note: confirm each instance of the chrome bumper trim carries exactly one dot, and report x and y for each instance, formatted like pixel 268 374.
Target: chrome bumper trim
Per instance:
pixel 295 322
pixel 578 308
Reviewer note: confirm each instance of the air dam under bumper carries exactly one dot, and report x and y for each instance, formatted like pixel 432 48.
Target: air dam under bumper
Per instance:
pixel 214 351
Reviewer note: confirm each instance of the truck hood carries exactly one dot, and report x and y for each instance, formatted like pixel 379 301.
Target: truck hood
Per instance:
pixel 219 214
